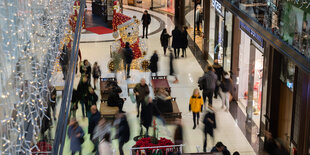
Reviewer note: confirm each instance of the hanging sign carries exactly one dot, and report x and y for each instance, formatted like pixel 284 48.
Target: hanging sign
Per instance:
pixel 257 38
pixel 218 7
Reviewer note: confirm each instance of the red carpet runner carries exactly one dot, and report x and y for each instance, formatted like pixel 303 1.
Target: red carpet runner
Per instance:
pixel 99 30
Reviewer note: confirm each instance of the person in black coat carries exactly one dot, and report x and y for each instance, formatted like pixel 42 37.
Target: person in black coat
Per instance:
pixel 82 93
pixel 149 110
pixel 123 132
pixel 210 124
pixel 92 123
pixel 219 72
pixel 184 41
pixel 153 65
pixel 88 70
pixel 220 147
pixel 176 41
pixel 164 39
pixel 146 21
pixel 114 99
pixel 128 56
pixel 92 99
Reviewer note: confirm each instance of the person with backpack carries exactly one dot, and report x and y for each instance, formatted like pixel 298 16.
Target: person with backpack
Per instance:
pixel 226 86
pixel 76 134
pixel 207 84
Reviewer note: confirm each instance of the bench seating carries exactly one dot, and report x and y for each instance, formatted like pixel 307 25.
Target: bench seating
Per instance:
pixel 172 116
pixel 103 88
pixel 108 111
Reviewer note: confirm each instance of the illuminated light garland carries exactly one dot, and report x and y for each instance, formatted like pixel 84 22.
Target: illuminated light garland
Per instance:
pixel 30 37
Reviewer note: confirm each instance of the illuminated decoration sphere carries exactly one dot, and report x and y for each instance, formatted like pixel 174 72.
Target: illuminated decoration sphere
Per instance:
pixel 145 65
pixel 111 66
pixel 115 34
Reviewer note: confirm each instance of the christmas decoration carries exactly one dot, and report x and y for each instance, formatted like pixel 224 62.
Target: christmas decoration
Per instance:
pixel 152 141
pixel 128 29
pixel 30 35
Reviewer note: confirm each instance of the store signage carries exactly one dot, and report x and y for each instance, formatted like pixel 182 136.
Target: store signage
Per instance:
pixel 218 6
pixel 257 38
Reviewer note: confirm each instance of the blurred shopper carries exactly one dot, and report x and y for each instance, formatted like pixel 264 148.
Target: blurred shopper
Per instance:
pixel 96 73
pixel 164 102
pixel 141 90
pixel 273 146
pixel 207 83
pixel 178 134
pixel 198 18
pixel 171 69
pixel 127 57
pixel 219 72
pixel 82 93
pixel 153 63
pixel 92 123
pixel 114 99
pixel 105 147
pixel 74 103
pixel 176 41
pixel 123 131
pixel 226 87
pixel 184 35
pixel 76 134
pixel 103 127
pixel 220 147
pixel 87 70
pixel 196 106
pixel 146 21
pixel 164 40
pixel 149 110
pixel 92 99
pixel 52 101
pixel 210 124
pixel 64 60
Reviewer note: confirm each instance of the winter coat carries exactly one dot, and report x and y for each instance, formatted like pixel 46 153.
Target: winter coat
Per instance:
pixel 208 81
pixel 88 70
pixel 82 90
pixel 153 65
pixel 93 121
pixel 75 144
pixel 114 99
pixel 196 103
pixel 218 71
pixel 208 125
pixel 176 40
pixel 123 130
pixel 142 90
pixel 146 19
pixel 128 55
pixel 164 39
pixel 184 39
pixel 148 111
pixel 105 148
pixel 226 85
pixel 92 98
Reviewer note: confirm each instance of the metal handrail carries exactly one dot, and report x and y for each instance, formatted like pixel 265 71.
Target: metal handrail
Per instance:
pixel 67 93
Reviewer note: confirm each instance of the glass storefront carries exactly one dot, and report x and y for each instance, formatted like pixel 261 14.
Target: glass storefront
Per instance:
pixel 287 19
pixel 163 5
pixel 250 75
pixel 220 38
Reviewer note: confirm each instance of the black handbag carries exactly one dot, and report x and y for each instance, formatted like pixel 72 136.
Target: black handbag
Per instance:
pixel 81 139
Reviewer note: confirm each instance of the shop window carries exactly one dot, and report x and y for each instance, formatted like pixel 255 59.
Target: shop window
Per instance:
pixel 287 72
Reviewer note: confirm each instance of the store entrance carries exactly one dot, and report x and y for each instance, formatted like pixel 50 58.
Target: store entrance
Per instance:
pixel 250 77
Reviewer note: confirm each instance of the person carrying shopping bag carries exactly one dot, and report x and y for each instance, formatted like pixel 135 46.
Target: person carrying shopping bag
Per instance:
pixel 226 86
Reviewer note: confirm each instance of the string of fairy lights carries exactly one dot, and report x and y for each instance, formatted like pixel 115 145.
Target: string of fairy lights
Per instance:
pixel 30 36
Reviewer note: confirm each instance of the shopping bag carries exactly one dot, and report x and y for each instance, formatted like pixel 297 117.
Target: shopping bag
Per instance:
pixel 132 97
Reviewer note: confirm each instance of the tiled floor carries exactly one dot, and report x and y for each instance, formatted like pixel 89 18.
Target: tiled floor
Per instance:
pixel 188 72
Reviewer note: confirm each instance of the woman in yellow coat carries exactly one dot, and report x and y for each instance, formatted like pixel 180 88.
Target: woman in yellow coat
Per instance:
pixel 196 106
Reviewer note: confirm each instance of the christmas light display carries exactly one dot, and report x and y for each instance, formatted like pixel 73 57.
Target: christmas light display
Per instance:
pixel 30 35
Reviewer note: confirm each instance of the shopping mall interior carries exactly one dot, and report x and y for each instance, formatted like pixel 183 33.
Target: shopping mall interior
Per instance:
pixel 114 77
